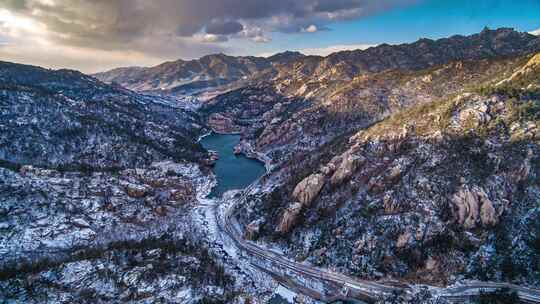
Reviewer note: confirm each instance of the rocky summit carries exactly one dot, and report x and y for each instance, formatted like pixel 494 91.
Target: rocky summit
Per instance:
pixel 396 174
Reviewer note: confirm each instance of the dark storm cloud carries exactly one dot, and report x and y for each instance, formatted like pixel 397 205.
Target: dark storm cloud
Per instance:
pixel 125 24
pixel 224 28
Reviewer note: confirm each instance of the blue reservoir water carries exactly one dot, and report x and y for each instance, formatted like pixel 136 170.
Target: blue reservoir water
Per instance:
pixel 232 171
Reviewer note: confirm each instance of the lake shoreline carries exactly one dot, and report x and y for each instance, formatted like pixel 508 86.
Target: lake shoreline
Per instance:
pixel 233 172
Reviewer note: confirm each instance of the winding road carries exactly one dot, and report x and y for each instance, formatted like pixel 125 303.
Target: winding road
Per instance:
pixel 327 286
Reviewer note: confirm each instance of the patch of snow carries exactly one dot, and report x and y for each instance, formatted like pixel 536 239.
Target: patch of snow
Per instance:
pixel 286 293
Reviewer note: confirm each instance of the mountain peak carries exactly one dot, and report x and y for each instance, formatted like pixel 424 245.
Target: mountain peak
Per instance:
pixel 498 30
pixel 287 53
pixel 216 55
pixel 286 56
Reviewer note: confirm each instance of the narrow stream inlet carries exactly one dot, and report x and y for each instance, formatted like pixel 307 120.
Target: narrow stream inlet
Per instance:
pixel 232 171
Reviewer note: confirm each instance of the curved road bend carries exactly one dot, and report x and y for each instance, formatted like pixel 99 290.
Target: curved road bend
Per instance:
pixel 342 287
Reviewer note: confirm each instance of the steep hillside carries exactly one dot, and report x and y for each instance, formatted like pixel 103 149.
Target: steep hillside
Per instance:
pixel 64 119
pixel 96 187
pixel 315 77
pixel 308 75
pixel 424 171
pixel 439 192
pixel 295 74
pixel 278 123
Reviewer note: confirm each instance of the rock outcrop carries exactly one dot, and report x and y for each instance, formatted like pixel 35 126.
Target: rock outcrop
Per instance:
pixel 253 229
pixel 308 189
pixel 473 206
pixel 350 162
pixel 305 192
pixel 136 191
pixel 289 218
pixel 404 239
pixel 532 66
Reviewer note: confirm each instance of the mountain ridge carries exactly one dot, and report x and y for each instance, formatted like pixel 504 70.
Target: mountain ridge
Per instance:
pixel 220 72
pixel 209 70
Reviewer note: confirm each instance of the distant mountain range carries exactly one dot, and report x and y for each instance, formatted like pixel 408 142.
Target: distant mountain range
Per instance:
pixel 221 72
pixel 188 77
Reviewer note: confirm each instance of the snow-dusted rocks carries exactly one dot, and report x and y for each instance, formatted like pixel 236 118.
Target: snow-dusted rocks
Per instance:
pixel 253 229
pixel 473 205
pixel 441 189
pixel 96 188
pixel 136 191
pixel 139 273
pixel 289 217
pixel 308 189
pixel 350 162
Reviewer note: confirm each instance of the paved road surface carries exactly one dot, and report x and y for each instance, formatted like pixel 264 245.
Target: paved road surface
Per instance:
pixel 342 287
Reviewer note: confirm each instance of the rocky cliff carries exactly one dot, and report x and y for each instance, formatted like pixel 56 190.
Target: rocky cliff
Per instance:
pixel 441 186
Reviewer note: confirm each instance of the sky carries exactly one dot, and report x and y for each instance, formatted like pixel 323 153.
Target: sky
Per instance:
pixel 96 35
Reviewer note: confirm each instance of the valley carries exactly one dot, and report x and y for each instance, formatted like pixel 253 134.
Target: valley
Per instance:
pixel 398 174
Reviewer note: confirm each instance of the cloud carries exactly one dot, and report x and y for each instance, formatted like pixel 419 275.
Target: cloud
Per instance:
pixel 255 34
pixel 212 38
pixel 325 51
pixel 224 28
pixel 261 39
pixel 50 55
pixel 166 29
pixel 25 40
pixel 535 32
pixel 311 29
pixel 113 23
